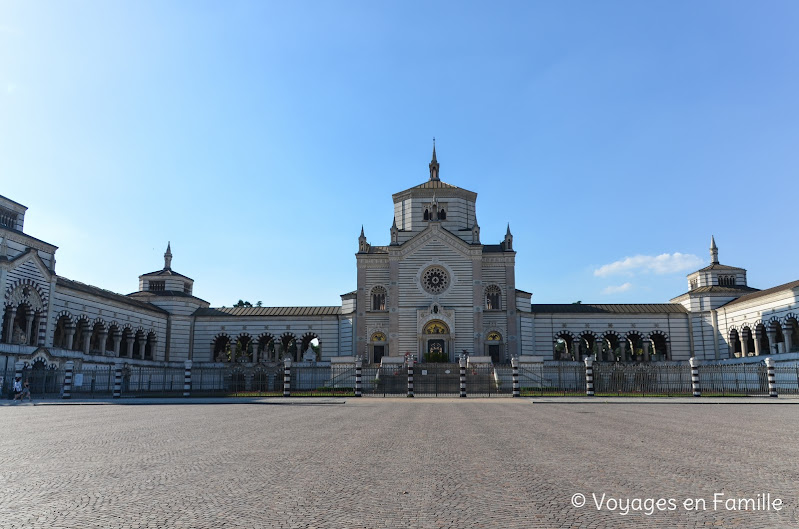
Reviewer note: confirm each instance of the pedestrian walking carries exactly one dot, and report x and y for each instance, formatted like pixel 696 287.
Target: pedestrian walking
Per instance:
pixel 17 388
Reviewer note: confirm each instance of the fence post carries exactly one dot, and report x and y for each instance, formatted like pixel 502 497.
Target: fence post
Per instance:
pixel 117 380
pixel 410 376
pixel 462 363
pixel 358 373
pixel 772 379
pixel 695 376
pixel 286 376
pixel 66 392
pixel 514 362
pixel 187 378
pixel 589 376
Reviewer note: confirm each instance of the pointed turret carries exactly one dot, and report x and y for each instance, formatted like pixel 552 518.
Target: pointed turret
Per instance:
pixel 714 251
pixel 434 164
pixel 168 257
pixel 394 233
pixel 363 246
pixel 507 244
pixel 475 233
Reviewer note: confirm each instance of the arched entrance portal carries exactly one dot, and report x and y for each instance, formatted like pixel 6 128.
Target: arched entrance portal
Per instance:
pixel 436 342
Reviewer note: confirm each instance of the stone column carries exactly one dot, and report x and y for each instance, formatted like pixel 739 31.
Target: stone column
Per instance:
pixel 598 349
pixel 66 391
pixel 410 377
pixel 623 350
pixel 28 326
pixel 695 376
pixel 757 343
pixel 70 336
pixel 786 333
pixel 358 373
pixel 772 342
pixel 87 339
pixel 286 376
pixel 589 376
pixel 646 350
pixel 576 349
pixel 12 315
pixel 117 338
pixel 102 338
pixel 462 366
pixel 772 380
pixel 117 380
pixel 187 378
pixel 514 362
pixel 129 347
pixel 745 345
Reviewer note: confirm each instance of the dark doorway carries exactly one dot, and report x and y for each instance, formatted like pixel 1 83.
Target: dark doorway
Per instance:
pixel 379 352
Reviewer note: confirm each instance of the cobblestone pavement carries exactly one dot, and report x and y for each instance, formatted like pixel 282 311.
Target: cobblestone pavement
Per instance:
pixel 375 463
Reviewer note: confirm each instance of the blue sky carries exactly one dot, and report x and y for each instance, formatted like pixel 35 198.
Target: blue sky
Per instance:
pixel 259 136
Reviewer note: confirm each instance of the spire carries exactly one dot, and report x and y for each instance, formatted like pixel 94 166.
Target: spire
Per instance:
pixel 714 251
pixel 394 232
pixel 507 244
pixel 168 257
pixel 434 164
pixel 363 246
pixel 362 235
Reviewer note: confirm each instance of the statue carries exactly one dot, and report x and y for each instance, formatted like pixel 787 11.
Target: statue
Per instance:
pixel 18 336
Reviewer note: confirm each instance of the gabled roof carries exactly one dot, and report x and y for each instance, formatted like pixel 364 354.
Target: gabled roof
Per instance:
pixel 165 272
pixel 267 311
pixel 717 267
pixel 106 294
pixel 618 308
pixel 760 293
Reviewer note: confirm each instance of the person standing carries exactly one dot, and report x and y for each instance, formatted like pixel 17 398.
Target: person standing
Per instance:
pixel 17 388
pixel 26 392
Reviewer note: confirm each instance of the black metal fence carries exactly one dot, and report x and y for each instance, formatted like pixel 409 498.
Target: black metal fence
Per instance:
pixel 433 380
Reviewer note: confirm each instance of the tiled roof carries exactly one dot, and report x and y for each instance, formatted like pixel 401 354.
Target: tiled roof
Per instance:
pixel 631 308
pixel 268 311
pixel 107 294
pixel 492 248
pixel 719 267
pixel 760 293
pixel 435 184
pixel 166 272
pixel 170 293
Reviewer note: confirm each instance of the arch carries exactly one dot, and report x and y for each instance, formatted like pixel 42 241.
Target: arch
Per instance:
pixel 611 349
pixel 265 349
pixel 289 346
pixel 791 330
pixel 139 343
pixel 586 344
pixel 220 348
pixel 82 329
pixel 635 344
pixel 762 339
pixel 747 340
pixel 562 346
pixel 26 290
pixel 150 345
pixel 378 296
pixel 126 342
pixel 734 341
pixel 99 336
pixel 426 215
pixel 307 342
pixel 63 326
pixel 659 346
pixel 493 297
pixel 242 348
pixel 435 327
pixel 442 215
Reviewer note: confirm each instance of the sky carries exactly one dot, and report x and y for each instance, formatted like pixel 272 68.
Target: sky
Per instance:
pixel 258 137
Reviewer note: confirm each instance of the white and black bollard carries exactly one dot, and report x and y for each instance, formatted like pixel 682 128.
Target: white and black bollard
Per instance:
pixel 358 373
pixel 117 380
pixel 462 363
pixel 514 362
pixel 410 376
pixel 187 378
pixel 589 376
pixel 286 376
pixel 66 391
pixel 695 376
pixel 772 379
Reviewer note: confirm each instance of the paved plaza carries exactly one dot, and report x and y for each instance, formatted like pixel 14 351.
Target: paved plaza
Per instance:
pixel 374 463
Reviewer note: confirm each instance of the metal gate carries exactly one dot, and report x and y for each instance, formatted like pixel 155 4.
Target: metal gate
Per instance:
pixel 436 380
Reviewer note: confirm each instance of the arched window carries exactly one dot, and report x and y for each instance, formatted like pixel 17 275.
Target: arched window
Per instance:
pixel 378 298
pixel 426 214
pixel 493 298
pixel 442 215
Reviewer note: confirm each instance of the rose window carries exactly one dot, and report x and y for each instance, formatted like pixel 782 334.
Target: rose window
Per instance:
pixel 435 280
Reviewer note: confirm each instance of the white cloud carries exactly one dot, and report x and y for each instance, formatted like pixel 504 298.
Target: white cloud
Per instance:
pixel 658 264
pixel 617 288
